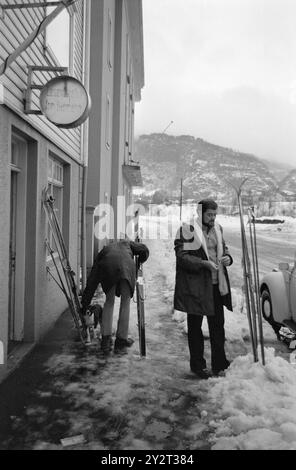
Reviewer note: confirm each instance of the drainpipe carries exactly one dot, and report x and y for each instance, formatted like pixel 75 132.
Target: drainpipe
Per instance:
pixel 86 65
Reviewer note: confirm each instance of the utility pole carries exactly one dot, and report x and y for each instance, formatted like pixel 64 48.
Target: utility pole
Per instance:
pixel 167 127
pixel 181 199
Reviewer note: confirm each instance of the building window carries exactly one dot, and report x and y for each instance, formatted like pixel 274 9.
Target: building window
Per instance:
pixel 55 179
pixel 108 124
pixel 59 38
pixel 109 41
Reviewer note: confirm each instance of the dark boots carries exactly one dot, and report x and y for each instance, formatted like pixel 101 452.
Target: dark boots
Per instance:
pixel 121 345
pixel 106 344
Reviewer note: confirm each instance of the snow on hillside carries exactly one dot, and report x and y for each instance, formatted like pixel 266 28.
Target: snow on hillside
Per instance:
pixel 205 168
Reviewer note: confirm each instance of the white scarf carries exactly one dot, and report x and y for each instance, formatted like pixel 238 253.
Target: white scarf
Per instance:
pixel 199 241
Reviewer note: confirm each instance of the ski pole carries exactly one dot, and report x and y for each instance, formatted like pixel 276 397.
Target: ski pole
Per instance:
pixel 247 295
pixel 252 291
pixel 248 288
pixel 246 273
pixel 256 280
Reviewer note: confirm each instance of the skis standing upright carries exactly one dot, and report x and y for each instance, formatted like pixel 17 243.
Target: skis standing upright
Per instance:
pixel 140 307
pixel 140 296
pixel 66 280
pixel 253 241
pixel 252 304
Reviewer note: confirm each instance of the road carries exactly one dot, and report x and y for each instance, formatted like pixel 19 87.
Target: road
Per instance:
pixel 273 247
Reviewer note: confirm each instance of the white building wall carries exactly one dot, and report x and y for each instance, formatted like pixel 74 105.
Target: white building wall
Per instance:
pixel 4 239
pixel 127 86
pixel 15 28
pixel 43 302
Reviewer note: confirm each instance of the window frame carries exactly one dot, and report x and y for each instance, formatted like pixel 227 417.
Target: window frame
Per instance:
pixel 47 49
pixel 56 169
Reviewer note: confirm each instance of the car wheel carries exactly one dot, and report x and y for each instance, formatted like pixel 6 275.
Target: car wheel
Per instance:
pixel 266 306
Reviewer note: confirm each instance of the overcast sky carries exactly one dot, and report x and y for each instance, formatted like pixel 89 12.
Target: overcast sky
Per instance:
pixel 224 71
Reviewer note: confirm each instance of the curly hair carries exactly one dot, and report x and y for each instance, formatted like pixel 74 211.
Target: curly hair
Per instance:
pixel 208 204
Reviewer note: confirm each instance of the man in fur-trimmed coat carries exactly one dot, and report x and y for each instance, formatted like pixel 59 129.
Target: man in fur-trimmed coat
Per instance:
pixel 202 286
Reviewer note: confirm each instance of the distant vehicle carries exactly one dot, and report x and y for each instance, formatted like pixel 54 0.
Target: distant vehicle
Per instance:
pixel 278 297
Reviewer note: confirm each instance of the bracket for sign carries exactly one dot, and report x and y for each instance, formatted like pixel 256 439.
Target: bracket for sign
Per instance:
pixel 32 86
pixel 38 30
pixel 20 6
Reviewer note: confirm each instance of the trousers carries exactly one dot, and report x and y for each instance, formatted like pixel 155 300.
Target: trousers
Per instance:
pixel 217 337
pixel 124 310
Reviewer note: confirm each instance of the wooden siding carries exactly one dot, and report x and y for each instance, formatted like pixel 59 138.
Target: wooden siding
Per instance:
pixel 14 29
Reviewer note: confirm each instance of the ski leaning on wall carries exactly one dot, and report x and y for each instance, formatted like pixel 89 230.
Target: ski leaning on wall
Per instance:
pixel 251 276
pixel 65 275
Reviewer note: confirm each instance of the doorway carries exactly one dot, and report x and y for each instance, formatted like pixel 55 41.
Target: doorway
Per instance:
pixel 17 240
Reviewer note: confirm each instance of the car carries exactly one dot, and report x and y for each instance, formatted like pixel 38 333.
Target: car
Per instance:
pixel 278 297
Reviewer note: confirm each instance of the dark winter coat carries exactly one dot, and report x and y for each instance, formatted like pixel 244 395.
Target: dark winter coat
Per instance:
pixel 194 288
pixel 114 263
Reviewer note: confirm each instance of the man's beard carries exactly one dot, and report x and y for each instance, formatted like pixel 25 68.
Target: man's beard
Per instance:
pixel 209 224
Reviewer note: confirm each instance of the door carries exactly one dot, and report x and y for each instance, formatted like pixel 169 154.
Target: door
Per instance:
pixel 12 260
pixel 17 242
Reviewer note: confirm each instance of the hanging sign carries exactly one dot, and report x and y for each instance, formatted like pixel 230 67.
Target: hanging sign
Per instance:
pixel 65 102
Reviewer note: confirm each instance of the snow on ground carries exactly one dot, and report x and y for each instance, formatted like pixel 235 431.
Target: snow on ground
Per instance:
pixel 128 402
pixel 287 228
pixel 253 406
pixel 236 324
pixel 120 402
pixel 163 222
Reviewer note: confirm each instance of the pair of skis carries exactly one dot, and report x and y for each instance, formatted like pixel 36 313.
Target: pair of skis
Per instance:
pixel 140 296
pixel 65 275
pixel 251 277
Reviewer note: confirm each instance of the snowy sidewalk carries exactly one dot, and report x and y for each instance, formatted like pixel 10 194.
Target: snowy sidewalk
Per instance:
pixel 127 402
pixel 120 402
